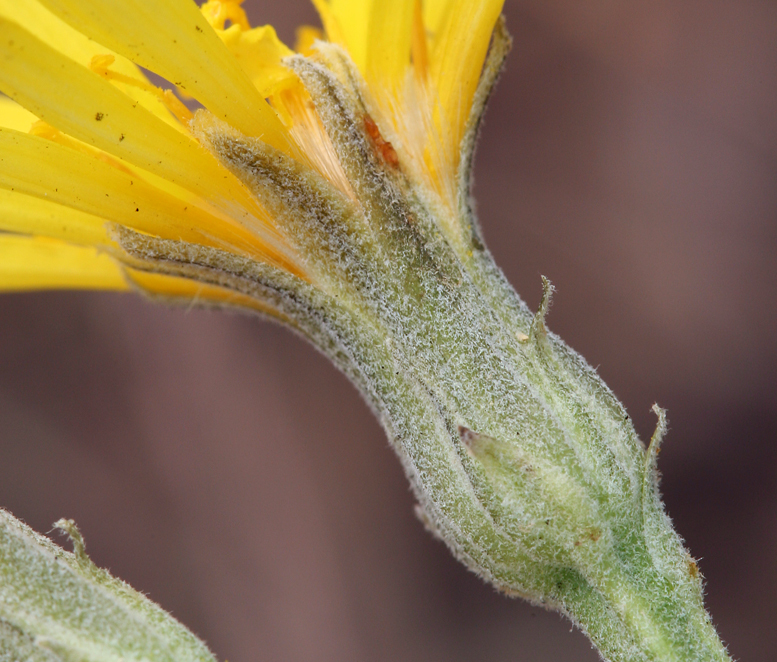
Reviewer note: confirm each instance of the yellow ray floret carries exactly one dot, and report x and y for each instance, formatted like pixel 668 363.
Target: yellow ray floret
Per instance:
pixel 218 12
pixel 457 54
pixel 345 22
pixel 259 52
pixel 173 39
pixel 190 292
pixel 39 21
pixel 305 37
pixel 105 146
pixel 27 214
pixel 40 263
pixel 44 169
pixel 388 48
pixel 103 64
pixel 82 104
pixel 444 44
pixel 14 116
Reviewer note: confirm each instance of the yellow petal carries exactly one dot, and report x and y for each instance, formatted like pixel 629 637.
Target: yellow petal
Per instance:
pixel 37 263
pixel 44 169
pixel 84 105
pixel 419 43
pixel 328 20
pixel 457 56
pixel 259 53
pixel 218 12
pixel 193 292
pixel 353 17
pixel 26 214
pixel 435 14
pixel 39 21
pixel 14 116
pixel 173 39
pixel 388 49
pixel 346 23
pixel 306 36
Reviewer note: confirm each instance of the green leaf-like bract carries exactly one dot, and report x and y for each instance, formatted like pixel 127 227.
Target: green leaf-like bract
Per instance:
pixel 57 605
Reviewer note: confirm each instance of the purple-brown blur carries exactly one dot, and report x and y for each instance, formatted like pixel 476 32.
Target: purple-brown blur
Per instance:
pixel 225 468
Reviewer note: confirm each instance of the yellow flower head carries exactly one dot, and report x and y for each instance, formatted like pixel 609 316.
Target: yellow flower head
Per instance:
pixel 89 147
pixel 330 189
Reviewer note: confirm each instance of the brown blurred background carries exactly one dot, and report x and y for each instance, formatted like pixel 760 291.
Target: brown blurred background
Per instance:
pixel 225 468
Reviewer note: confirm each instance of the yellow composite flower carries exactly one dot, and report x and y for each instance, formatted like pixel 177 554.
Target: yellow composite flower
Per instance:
pixel 330 188
pixel 88 144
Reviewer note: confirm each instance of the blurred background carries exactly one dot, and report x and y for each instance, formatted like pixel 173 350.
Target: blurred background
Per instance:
pixel 222 466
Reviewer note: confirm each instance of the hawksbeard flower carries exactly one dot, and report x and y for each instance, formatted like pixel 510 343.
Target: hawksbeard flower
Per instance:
pixel 330 189
pixel 92 150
